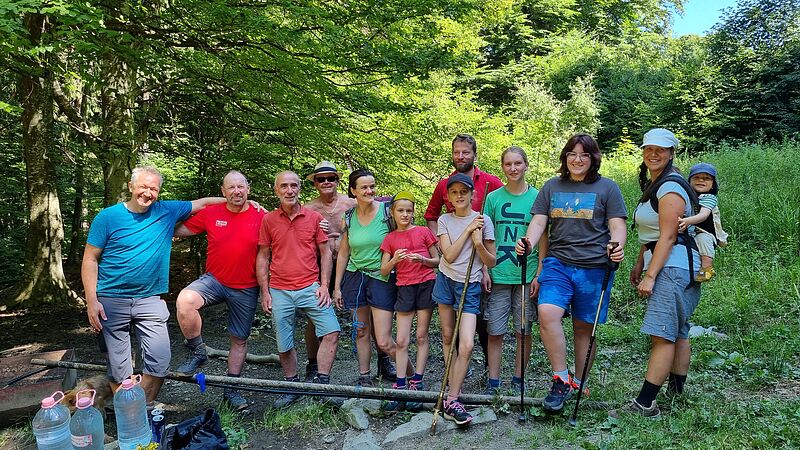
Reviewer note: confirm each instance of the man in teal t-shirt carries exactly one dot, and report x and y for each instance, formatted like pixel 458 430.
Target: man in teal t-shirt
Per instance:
pixel 126 268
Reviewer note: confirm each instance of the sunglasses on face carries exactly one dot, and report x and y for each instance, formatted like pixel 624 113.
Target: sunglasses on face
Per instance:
pixel 329 179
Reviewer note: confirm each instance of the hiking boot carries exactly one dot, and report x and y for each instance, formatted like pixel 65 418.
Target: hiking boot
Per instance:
pixel 394 405
pixel 336 402
pixel 412 405
pixel 705 274
pixel 491 390
pixel 365 381
pixel 386 369
pixel 560 392
pixel 234 399
pixel 454 411
pixel 415 385
pixel 284 400
pixel 633 408
pixel 311 373
pixel 196 359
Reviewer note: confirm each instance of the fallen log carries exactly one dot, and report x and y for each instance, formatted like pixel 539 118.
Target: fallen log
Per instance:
pixel 250 357
pixel 324 390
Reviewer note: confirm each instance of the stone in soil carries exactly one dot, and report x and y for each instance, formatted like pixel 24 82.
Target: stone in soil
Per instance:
pixel 420 424
pixel 360 440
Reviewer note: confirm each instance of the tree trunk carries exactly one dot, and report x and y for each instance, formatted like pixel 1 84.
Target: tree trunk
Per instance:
pixel 43 278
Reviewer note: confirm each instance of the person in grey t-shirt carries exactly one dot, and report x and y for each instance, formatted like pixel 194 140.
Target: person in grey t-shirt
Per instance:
pixel 585 213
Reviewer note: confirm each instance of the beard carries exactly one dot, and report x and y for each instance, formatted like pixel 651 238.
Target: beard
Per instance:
pixel 464 167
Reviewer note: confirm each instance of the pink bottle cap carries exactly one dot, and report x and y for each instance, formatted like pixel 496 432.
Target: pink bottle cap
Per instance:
pixel 128 384
pixel 85 398
pixel 51 401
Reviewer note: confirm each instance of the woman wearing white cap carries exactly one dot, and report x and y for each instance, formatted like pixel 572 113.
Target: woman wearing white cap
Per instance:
pixel 664 258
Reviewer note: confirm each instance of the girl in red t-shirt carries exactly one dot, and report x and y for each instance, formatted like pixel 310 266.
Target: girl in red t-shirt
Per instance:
pixel 411 251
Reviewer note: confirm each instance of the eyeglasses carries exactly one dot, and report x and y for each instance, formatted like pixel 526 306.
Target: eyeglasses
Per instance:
pixel 581 156
pixel 329 179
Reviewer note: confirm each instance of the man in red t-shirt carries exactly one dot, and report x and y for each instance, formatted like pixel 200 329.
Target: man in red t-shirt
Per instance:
pixel 292 279
pixel 465 152
pixel 232 232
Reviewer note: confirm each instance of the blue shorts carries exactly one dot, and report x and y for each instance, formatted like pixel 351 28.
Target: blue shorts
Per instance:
pixel 671 304
pixel 241 302
pixel 575 288
pixel 286 304
pixel 360 289
pixel 448 292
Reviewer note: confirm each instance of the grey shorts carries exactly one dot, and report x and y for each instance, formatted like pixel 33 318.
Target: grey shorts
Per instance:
pixel 705 243
pixel 242 303
pixel 503 299
pixel 671 305
pixel 286 304
pixel 148 318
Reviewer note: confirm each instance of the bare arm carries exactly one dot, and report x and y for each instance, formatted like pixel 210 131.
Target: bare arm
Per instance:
pixel 433 226
pixel 486 252
pixel 262 275
pixel 698 218
pixel 89 270
pixel 201 203
pixel 341 265
pixel 534 233
pixel 182 231
pixel 619 233
pixel 326 260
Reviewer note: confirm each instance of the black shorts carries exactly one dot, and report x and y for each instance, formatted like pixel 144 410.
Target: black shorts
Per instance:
pixel 414 297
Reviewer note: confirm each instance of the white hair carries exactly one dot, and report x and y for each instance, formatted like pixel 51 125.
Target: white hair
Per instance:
pixel 146 169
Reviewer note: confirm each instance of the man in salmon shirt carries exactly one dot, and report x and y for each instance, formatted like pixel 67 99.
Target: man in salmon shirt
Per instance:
pixel 232 232
pixel 292 280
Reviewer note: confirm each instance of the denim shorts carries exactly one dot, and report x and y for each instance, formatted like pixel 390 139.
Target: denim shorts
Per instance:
pixel 147 318
pixel 360 289
pixel 575 288
pixel 671 304
pixel 285 306
pixel 504 299
pixel 448 292
pixel 241 302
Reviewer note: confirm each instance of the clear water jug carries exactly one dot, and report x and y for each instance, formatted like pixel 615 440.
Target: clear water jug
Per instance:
pixel 86 425
pixel 51 424
pixel 130 407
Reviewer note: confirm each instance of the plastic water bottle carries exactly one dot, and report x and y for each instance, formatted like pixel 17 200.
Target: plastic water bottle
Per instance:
pixel 86 426
pixel 130 408
pixel 51 424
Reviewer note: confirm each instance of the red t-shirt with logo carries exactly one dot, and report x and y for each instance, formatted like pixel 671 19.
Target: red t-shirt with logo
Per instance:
pixel 232 243
pixel 415 240
pixel 294 244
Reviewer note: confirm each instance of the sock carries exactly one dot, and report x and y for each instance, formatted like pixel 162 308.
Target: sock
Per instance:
pixel 675 383
pixel 236 375
pixel 564 375
pixel 417 377
pixel 366 374
pixel 401 382
pixel 324 378
pixel 516 380
pixel 494 382
pixel 647 394
pixel 577 382
pixel 194 342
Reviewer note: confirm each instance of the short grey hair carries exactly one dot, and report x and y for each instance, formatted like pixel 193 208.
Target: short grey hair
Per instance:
pixel 285 172
pixel 146 169
pixel 235 172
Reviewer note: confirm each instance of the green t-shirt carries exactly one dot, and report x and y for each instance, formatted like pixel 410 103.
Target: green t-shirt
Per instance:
pixel 365 244
pixel 511 215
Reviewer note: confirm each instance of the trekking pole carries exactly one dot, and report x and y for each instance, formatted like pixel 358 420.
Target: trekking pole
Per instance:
pixel 610 266
pixel 523 262
pixel 449 361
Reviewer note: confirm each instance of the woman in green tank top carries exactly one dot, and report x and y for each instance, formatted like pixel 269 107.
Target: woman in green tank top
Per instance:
pixel 359 285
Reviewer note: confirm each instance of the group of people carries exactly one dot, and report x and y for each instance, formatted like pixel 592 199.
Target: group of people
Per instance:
pixel 365 254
